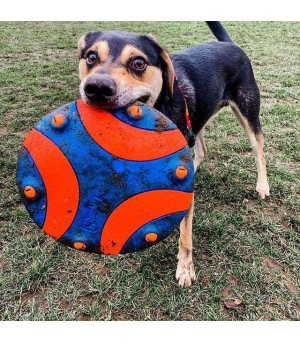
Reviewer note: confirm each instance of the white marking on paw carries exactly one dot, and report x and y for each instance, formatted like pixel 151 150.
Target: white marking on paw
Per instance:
pixel 185 273
pixel 263 190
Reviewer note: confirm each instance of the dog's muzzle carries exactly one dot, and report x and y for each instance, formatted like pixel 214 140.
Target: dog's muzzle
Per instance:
pixel 100 89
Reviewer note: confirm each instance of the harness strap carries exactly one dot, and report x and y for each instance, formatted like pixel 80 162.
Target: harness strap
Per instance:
pixel 190 137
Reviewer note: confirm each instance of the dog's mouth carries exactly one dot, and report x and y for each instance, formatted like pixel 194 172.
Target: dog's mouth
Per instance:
pixel 114 101
pixel 143 98
pixel 117 103
pixel 110 105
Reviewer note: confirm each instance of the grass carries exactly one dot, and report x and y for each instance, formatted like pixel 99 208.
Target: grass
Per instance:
pixel 244 248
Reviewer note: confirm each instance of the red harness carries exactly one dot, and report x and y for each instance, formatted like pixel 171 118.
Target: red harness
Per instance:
pixel 187 114
pixel 190 137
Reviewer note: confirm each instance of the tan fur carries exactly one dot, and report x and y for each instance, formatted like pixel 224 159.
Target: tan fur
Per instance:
pixel 80 45
pixel 185 273
pixel 185 270
pixel 150 82
pixel 129 86
pixel 102 49
pixel 171 72
pixel 257 144
pixel 152 76
pixel 199 149
pixel 151 36
pixel 129 52
pixel 83 70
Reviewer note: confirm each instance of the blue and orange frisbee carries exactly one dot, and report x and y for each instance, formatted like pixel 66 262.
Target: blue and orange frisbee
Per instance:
pixel 108 182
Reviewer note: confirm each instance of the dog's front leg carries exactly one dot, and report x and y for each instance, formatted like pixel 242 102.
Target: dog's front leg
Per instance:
pixel 185 273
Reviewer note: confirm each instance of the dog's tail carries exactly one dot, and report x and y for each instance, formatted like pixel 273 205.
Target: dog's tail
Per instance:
pixel 219 31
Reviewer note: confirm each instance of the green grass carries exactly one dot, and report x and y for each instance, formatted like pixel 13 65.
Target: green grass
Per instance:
pixel 244 248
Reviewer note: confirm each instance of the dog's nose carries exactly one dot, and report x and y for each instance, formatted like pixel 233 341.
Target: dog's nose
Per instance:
pixel 100 88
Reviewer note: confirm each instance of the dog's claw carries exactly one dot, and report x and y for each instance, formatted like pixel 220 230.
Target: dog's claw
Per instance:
pixel 185 274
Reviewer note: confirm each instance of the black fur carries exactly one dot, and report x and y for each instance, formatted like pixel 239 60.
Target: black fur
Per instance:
pixel 207 77
pixel 219 31
pixel 216 73
pixel 211 75
pixel 118 39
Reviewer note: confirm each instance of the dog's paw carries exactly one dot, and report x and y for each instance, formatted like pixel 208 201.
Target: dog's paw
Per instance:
pixel 263 190
pixel 185 274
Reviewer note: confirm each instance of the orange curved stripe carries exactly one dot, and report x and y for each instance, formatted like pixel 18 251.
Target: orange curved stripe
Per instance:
pixel 125 141
pixel 60 183
pixel 137 211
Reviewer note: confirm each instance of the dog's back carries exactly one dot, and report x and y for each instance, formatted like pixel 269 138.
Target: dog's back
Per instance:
pixel 214 70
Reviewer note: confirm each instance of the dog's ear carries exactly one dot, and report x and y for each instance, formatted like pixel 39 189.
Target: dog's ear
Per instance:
pixel 168 72
pixel 150 35
pixel 80 46
pixel 86 41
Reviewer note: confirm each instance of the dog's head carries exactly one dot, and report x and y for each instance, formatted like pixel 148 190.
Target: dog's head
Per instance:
pixel 120 68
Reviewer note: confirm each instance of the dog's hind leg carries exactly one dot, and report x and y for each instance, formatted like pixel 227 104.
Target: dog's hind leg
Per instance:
pixel 185 272
pixel 199 149
pixel 248 115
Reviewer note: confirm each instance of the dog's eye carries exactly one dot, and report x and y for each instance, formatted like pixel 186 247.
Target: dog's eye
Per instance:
pixel 138 64
pixel 91 59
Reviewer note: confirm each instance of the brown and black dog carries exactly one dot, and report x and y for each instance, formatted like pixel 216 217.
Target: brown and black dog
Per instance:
pixel 120 68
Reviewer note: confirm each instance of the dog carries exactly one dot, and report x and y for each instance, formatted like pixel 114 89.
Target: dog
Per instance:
pixel 119 68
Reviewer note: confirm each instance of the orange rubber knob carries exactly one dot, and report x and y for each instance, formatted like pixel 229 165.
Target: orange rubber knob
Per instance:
pixel 58 120
pixel 135 111
pixel 181 172
pixel 79 246
pixel 151 237
pixel 29 192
